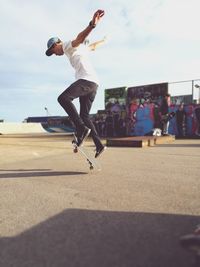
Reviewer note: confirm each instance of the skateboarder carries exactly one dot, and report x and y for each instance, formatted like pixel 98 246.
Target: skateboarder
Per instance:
pixel 85 86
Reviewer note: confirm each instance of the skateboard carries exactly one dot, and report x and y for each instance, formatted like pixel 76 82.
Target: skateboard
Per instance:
pixel 93 163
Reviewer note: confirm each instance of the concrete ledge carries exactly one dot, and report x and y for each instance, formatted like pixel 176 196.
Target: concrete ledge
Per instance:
pixel 159 140
pixel 139 141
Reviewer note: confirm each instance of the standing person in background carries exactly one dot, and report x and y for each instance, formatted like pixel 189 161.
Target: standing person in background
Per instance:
pixel 86 84
pixel 197 115
pixel 109 124
pixel 181 121
pixel 164 110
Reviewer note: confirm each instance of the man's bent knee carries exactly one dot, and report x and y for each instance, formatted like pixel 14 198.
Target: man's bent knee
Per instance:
pixel 62 99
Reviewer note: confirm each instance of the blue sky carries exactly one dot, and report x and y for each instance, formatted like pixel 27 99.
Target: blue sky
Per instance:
pixel 148 41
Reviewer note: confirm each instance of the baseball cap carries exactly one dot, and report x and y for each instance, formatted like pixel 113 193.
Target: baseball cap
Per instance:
pixel 50 43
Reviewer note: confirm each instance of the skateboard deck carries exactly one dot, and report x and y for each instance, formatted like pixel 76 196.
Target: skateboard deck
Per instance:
pixel 93 163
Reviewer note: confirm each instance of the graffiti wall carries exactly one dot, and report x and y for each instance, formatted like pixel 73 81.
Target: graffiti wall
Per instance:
pixel 112 123
pixel 135 111
pixel 115 99
pixel 152 93
pixel 143 107
pixel 144 118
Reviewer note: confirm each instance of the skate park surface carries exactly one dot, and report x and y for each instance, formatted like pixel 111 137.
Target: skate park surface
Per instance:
pixel 56 212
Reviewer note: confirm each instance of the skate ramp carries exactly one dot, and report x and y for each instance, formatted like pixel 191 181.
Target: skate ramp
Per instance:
pixel 21 128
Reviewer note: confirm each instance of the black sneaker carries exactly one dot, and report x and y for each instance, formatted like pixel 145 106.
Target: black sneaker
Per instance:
pixel 99 151
pixel 83 135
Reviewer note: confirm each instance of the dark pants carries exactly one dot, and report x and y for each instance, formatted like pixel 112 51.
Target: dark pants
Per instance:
pixel 86 92
pixel 197 113
pixel 180 128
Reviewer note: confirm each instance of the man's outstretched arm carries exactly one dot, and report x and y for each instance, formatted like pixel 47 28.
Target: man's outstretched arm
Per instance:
pixel 82 35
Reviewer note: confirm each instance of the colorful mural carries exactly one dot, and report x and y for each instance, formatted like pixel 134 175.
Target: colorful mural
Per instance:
pixel 151 93
pixel 115 99
pixel 135 111
pixel 143 118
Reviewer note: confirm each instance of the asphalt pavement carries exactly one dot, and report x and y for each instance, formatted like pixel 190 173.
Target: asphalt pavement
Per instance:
pixel 55 212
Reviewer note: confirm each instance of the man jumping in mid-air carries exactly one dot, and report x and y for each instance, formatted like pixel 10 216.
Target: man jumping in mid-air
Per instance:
pixel 86 84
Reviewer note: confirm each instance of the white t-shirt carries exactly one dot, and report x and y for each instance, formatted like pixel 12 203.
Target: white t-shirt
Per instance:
pixel 78 57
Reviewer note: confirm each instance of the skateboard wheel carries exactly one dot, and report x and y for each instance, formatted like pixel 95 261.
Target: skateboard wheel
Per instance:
pixel 75 150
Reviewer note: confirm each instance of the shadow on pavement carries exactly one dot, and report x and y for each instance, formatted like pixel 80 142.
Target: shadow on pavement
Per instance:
pixel 89 238
pixel 26 174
